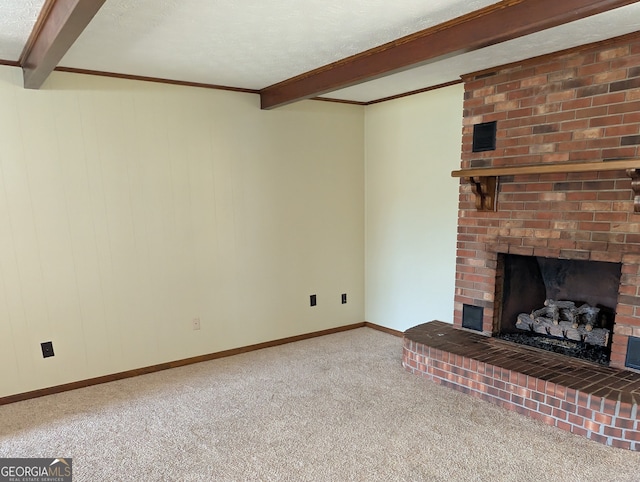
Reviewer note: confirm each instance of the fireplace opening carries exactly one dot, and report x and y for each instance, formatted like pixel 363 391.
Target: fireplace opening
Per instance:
pixel 560 305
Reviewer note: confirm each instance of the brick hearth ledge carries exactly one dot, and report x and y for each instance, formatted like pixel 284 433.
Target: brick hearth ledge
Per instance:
pixel 581 397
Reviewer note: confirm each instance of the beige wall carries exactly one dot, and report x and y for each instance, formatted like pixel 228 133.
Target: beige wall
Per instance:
pixel 129 208
pixel 412 145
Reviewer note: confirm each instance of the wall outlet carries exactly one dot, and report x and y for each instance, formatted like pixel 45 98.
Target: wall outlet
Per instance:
pixel 344 298
pixel 47 349
pixel 312 300
pixel 195 323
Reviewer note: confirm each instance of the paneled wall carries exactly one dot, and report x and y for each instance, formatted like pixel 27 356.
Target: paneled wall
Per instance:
pixel 128 208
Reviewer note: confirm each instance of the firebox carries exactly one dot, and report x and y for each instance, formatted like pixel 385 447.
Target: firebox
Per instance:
pixel 562 305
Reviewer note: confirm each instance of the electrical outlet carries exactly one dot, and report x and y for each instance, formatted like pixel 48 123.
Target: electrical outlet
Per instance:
pixel 344 298
pixel 47 349
pixel 312 300
pixel 195 323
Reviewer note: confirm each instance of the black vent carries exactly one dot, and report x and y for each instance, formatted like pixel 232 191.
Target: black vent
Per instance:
pixel 633 353
pixel 484 136
pixel 472 317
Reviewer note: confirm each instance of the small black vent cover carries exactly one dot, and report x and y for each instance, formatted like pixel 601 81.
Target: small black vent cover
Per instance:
pixel 633 353
pixel 472 317
pixel 484 136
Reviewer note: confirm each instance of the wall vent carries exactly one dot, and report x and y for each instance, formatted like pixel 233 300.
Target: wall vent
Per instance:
pixel 472 317
pixel 484 136
pixel 633 353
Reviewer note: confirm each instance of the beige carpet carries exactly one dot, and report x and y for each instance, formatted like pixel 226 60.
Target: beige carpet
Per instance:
pixel 334 408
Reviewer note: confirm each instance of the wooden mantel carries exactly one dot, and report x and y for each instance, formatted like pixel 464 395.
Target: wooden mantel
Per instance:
pixel 484 181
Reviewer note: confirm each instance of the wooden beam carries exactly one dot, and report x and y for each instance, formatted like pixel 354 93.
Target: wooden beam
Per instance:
pixel 60 24
pixel 506 20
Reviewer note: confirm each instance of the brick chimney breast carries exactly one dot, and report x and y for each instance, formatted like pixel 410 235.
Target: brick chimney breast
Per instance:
pixel 573 106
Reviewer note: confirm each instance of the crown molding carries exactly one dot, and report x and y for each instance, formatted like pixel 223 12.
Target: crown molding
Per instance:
pixel 159 80
pixel 10 63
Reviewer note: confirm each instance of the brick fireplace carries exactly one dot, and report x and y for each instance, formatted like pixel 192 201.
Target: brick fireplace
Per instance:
pixel 575 117
pixel 576 106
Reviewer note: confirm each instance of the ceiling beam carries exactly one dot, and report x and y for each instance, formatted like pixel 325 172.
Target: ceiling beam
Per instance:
pixel 503 21
pixel 61 22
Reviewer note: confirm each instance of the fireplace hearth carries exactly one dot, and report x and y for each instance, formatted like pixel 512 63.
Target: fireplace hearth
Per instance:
pixel 590 400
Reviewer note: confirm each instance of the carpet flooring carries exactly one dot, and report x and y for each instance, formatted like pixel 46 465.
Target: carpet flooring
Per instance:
pixel 333 408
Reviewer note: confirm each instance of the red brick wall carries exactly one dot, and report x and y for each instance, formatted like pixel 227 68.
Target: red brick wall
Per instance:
pixel 575 106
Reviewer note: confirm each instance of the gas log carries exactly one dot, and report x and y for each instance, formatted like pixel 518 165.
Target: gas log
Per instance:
pixel 562 319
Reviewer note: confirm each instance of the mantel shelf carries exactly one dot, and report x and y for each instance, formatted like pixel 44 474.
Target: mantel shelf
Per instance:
pixel 549 168
pixel 484 180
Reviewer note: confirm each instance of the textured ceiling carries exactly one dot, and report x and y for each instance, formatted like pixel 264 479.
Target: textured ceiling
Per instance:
pixel 252 44
pixel 17 18
pixel 247 43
